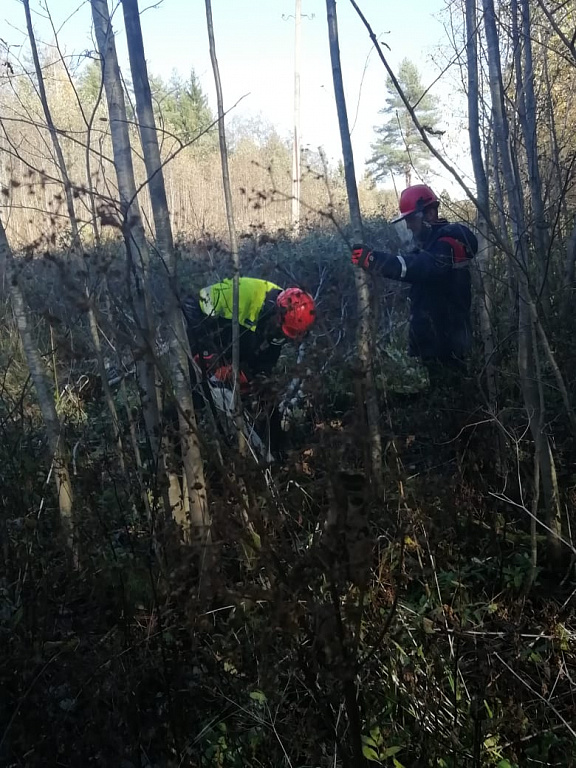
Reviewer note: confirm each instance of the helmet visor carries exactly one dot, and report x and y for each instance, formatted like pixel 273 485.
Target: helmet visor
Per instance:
pixel 400 217
pixel 404 235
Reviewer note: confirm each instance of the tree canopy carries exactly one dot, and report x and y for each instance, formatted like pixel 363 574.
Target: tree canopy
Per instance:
pixel 181 105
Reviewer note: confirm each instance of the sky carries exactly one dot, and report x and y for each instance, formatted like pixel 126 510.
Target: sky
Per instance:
pixel 255 49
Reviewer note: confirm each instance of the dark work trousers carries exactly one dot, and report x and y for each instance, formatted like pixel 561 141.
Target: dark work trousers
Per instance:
pixel 448 397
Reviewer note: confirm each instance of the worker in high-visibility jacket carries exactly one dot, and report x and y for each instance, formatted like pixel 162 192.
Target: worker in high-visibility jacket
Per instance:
pixel 268 316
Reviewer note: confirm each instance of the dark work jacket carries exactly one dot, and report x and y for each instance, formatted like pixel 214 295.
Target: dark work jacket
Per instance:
pixel 212 335
pixel 439 272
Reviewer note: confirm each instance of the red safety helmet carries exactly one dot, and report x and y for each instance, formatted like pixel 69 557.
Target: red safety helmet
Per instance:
pixel 415 199
pixel 298 312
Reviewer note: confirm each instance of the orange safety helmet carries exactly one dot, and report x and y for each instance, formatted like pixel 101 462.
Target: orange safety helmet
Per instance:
pixel 298 312
pixel 414 199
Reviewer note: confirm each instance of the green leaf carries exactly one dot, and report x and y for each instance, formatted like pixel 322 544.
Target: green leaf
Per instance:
pixel 258 696
pixel 370 754
pixel 391 751
pixel 376 735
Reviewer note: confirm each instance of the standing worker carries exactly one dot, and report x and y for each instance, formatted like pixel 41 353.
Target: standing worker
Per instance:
pixel 438 270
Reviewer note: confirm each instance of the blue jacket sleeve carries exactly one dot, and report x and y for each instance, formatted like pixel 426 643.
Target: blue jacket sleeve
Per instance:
pixel 415 267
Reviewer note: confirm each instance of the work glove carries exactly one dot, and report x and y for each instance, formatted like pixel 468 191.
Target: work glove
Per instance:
pixel 225 374
pixel 362 256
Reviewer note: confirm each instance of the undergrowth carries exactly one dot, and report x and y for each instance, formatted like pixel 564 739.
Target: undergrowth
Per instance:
pixel 408 631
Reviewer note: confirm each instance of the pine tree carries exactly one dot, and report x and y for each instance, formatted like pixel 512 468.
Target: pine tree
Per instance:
pixel 398 148
pixel 181 105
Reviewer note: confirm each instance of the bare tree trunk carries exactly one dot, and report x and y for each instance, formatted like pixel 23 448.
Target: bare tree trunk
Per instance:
pixel 560 383
pixel 95 334
pixel 511 282
pixel 195 512
pixel 474 102
pixel 52 130
pixel 526 108
pixel 527 351
pixel 365 347
pixel 485 249
pixel 527 112
pixel 296 180
pixel 550 121
pixel 45 397
pixel 76 243
pixel 140 469
pixel 364 338
pixel 570 268
pixel 134 238
pixel 90 191
pixel 231 233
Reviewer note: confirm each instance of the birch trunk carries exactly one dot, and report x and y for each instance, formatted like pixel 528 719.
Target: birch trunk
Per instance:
pixel 512 320
pixel 525 79
pixel 76 243
pixel 45 395
pixel 526 107
pixel 570 271
pixel 296 154
pixel 557 166
pixel 485 248
pixel 192 513
pixel 364 338
pixel 135 241
pixel 527 350
pixel 52 130
pixel 140 468
pixel 231 232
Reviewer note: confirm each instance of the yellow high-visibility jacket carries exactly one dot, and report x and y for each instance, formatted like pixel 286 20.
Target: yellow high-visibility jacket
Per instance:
pixel 216 300
pixel 209 324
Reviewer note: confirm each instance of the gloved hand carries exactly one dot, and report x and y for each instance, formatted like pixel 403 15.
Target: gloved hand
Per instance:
pixel 225 374
pixel 362 256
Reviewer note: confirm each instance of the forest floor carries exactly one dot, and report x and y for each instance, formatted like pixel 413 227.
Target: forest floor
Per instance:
pixel 410 629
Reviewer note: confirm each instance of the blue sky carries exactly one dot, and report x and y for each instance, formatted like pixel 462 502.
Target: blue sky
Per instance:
pixel 255 46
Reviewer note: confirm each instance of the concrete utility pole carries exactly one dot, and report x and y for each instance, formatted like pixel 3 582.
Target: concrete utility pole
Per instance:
pixel 296 139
